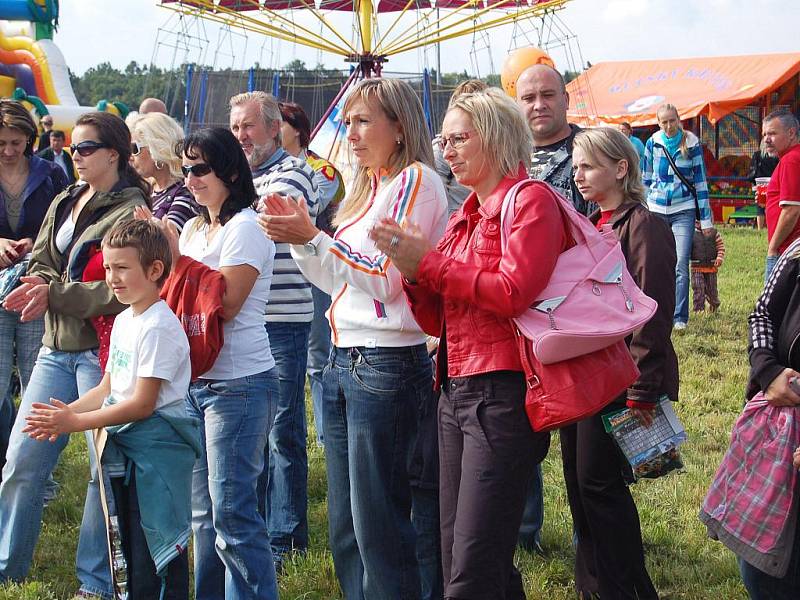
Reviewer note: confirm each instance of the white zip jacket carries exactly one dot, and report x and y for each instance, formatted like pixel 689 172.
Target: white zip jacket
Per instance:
pixel 368 307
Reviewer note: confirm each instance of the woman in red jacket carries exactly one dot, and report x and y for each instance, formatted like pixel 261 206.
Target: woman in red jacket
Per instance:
pixel 465 291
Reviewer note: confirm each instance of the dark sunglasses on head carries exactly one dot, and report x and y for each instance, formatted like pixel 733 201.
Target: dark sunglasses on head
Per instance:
pixel 198 170
pixel 136 148
pixel 87 148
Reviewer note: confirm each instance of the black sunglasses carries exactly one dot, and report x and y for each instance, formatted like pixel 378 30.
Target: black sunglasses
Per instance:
pixel 87 148
pixel 198 170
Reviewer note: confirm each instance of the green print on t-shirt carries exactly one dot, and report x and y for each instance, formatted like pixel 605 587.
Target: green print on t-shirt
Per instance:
pixel 120 360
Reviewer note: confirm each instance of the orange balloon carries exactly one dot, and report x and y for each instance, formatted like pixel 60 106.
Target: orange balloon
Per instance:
pixel 517 61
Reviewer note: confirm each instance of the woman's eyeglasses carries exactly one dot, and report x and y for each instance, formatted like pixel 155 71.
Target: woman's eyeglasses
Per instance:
pixel 136 148
pixel 87 148
pixel 198 170
pixel 456 140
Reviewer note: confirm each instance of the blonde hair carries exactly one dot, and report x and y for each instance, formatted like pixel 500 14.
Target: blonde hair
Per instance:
pixel 161 134
pixel 468 86
pixel 398 101
pixel 615 146
pixel 267 105
pixel 504 134
pixel 664 108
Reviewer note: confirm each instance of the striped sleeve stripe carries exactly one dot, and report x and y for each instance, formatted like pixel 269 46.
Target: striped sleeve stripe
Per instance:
pixel 407 194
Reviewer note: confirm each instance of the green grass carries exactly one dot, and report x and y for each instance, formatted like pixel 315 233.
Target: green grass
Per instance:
pixel 683 562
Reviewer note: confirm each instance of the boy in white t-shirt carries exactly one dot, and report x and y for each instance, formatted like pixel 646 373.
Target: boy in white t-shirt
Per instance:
pixel 152 444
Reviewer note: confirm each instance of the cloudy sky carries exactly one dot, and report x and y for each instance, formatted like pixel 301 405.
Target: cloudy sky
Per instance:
pixel 93 31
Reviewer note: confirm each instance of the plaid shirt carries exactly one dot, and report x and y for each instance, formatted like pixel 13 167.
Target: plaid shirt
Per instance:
pixel 666 193
pixel 751 496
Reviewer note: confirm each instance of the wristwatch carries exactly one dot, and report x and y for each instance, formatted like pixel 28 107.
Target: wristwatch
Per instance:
pixel 310 248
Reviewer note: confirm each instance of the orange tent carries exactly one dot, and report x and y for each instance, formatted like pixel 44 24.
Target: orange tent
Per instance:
pixel 632 91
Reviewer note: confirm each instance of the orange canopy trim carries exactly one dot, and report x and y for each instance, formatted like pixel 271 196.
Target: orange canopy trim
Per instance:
pixel 632 91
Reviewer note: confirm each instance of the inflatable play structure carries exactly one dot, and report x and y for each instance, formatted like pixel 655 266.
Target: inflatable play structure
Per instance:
pixel 32 68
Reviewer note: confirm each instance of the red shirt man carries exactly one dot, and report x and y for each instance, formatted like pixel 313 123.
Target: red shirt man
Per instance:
pixel 780 131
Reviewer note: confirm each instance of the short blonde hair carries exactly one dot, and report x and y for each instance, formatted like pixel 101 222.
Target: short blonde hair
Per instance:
pixel 614 146
pixel 505 136
pixel 161 134
pixel 267 105
pixel 398 101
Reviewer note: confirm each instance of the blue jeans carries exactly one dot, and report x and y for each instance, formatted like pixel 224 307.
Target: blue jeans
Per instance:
pixel 772 260
pixel 761 586
pixel 682 224
pixel 425 518
pixel 283 487
pixel 232 557
pixel 371 399
pixel 62 375
pixel 530 531
pixel 319 348
pixel 21 341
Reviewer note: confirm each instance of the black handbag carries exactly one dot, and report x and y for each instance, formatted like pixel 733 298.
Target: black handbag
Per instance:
pixel 689 185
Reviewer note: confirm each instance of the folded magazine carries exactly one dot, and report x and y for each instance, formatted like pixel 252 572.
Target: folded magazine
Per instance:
pixel 651 451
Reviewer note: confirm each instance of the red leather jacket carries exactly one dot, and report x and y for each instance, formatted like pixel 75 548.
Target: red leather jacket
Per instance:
pixel 467 290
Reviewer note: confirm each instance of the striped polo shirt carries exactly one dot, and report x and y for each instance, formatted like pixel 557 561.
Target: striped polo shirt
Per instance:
pixel 290 298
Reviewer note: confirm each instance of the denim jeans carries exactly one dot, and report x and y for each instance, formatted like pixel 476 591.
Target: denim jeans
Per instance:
pixel 771 261
pixel 319 348
pixel 370 412
pixel 530 532
pixel 232 557
pixel 425 518
pixel 21 341
pixel 761 586
pixel 63 375
pixel 283 488
pixel 682 225
pixel 143 581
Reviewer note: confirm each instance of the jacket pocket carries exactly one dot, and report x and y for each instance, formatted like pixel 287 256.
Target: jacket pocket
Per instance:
pixel 486 240
pixel 489 327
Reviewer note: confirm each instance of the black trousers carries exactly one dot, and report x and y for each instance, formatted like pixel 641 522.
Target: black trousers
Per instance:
pixel 487 454
pixel 609 558
pixel 143 582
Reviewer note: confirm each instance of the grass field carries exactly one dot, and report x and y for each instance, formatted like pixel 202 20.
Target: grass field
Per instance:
pixel 683 562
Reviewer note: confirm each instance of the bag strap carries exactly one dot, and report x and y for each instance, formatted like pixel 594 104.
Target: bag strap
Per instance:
pixel 677 171
pixel 580 228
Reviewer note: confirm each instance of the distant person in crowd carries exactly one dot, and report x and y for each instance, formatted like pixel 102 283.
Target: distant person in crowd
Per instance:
pixel 296 135
pixel 30 182
pixel 467 289
pixel 609 556
pixel 708 253
pixel 67 365
pixel 255 120
pixel 761 165
pixel 773 326
pixel 55 153
pixel 153 105
pixel 669 196
pixel 378 378
pixel 780 135
pixel 626 128
pixel 456 193
pixel 44 138
pixel 152 444
pixel 155 138
pixel 543 99
pixel 237 398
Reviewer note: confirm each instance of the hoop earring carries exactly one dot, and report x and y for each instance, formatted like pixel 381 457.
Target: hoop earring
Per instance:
pixel 159 165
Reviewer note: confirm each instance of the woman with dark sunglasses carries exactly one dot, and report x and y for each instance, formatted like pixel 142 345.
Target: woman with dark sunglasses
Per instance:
pixel 155 139
pixel 67 365
pixel 29 181
pixel 236 399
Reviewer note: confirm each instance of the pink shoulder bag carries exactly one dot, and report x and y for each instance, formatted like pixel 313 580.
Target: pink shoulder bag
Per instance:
pixel 591 301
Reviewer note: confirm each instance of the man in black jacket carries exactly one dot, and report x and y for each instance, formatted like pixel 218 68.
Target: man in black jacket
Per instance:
pixel 56 153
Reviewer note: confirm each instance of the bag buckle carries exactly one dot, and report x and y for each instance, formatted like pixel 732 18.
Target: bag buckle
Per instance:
pixel 533 382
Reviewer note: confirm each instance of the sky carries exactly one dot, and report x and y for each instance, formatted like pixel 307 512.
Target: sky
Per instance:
pixel 95 31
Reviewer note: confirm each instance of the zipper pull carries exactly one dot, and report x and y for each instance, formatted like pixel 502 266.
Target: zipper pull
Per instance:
pixel 551 317
pixel 628 302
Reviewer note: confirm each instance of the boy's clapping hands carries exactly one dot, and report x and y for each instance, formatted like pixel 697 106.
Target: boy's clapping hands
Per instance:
pixel 48 421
